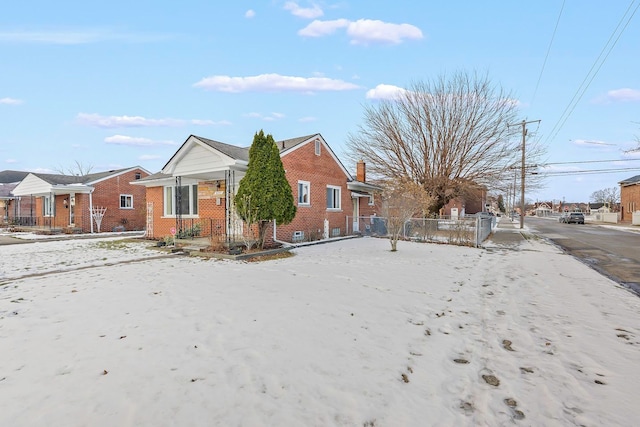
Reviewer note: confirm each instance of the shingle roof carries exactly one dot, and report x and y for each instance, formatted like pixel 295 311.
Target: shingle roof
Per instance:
pixel 60 179
pixel 285 144
pixel 233 151
pixel 6 189
pixel 632 180
pixel 11 177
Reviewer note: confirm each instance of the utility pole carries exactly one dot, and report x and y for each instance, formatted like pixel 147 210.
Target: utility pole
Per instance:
pixel 522 172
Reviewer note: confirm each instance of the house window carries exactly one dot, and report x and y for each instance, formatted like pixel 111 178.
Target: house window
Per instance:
pixel 333 197
pixel 138 175
pixel 126 201
pixel 304 193
pixel 185 198
pixel 318 145
pixel 371 201
pixel 48 206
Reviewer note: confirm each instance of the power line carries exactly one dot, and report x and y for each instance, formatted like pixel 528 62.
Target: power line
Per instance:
pixel 591 161
pixel 586 172
pixel 547 55
pixel 583 87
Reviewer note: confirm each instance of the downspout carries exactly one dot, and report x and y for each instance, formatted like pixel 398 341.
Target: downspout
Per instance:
pixel 275 238
pixel 91 209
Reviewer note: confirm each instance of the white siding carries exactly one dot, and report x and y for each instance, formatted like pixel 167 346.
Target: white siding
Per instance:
pixel 31 184
pixel 200 159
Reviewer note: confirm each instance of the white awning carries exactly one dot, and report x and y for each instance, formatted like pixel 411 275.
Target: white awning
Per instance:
pixel 355 195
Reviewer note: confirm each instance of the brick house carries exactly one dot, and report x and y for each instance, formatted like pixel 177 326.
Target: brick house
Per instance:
pixel 10 205
pixel 629 198
pixel 193 193
pixel 66 202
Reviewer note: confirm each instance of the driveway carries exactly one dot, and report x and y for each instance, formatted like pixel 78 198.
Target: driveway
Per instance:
pixel 8 240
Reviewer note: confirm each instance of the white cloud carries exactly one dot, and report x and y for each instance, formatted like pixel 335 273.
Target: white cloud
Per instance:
pixel 323 28
pixel 124 121
pixel 303 12
pixel 364 31
pixel 307 119
pixel 273 82
pixel 11 161
pixel 383 91
pixel 249 13
pixel 210 122
pixel 625 94
pixel 267 118
pixel 591 143
pixel 76 37
pixel 138 121
pixel 135 141
pixel 11 101
pixel 150 157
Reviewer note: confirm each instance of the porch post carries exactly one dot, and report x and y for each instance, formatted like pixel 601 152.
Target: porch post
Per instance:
pixel 91 210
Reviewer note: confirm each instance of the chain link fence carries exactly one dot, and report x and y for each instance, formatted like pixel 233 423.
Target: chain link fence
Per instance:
pixel 463 231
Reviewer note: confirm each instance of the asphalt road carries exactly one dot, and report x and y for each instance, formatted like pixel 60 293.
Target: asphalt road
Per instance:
pixel 8 240
pixel 612 252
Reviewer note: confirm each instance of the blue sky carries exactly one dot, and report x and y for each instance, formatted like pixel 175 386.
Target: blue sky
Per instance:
pixel 117 84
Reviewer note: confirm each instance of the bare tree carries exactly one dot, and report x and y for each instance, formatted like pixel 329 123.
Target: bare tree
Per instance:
pixel 607 195
pixel 77 169
pixel 401 200
pixel 445 135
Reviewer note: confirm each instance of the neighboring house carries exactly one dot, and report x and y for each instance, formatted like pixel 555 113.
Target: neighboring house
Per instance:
pixel 193 193
pixel 543 209
pixel 473 200
pixel 66 202
pixel 629 197
pixel 11 206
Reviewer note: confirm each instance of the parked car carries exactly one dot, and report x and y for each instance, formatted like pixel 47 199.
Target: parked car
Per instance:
pixel 575 218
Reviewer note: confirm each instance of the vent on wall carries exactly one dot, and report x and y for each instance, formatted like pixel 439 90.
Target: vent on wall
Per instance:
pixel 298 236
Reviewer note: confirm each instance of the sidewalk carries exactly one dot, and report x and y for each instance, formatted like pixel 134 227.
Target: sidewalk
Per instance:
pixel 507 233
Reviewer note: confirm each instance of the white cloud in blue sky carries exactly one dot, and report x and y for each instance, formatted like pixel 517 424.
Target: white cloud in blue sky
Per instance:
pixel 77 36
pixel 11 101
pixel 273 83
pixel 136 141
pixel 364 31
pixel 98 120
pixel 303 12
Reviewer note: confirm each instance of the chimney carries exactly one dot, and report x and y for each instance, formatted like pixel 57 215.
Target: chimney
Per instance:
pixel 361 173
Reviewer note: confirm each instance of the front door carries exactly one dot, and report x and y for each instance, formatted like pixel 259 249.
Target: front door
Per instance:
pixel 356 214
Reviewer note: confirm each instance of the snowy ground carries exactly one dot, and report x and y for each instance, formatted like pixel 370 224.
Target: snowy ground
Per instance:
pixel 341 334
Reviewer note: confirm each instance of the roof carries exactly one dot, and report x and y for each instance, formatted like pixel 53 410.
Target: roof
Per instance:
pixel 12 177
pixel 630 181
pixel 286 144
pixel 6 189
pixel 233 151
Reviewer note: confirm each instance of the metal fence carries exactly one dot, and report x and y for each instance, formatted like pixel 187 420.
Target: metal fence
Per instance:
pixel 464 231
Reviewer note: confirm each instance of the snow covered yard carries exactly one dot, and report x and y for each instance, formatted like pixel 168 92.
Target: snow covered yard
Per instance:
pixel 341 334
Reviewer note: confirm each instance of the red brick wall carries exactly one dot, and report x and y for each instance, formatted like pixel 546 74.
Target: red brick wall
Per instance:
pixel 303 164
pixel 629 201
pixel 107 194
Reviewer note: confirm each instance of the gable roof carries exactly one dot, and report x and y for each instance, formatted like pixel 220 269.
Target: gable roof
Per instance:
pixel 12 177
pixel 42 183
pixel 630 181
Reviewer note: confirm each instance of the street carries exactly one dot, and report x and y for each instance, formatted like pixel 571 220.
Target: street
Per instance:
pixel 613 252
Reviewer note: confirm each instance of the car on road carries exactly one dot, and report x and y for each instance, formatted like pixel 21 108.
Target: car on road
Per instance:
pixel 575 218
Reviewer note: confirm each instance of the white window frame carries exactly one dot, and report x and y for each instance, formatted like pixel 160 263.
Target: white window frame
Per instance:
pixel 318 147
pixel 371 200
pixel 49 206
pixel 169 201
pixel 302 185
pixel 127 197
pixel 336 196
